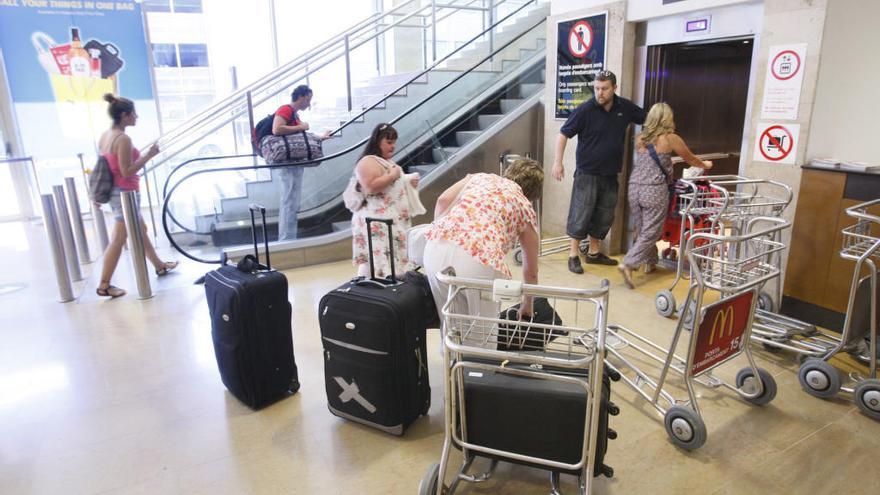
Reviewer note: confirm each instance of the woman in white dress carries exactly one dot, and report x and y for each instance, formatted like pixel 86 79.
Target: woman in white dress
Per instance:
pixel 384 187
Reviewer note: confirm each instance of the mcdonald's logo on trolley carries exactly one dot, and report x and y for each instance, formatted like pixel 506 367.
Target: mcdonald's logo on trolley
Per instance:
pixel 723 321
pixel 721 331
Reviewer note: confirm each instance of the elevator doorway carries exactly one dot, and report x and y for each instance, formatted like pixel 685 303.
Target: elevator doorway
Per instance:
pixel 706 83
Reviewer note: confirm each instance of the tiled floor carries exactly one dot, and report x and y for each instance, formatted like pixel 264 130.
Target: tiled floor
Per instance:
pixel 123 396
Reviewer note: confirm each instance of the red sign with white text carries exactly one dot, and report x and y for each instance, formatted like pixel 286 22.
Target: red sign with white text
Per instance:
pixel 721 331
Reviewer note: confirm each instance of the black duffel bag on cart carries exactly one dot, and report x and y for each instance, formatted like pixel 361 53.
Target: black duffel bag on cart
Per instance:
pixel 291 148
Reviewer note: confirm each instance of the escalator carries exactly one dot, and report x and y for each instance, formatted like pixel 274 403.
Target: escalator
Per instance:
pixel 455 117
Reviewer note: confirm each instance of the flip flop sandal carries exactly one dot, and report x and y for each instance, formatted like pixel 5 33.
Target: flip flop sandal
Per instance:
pixel 110 291
pixel 165 270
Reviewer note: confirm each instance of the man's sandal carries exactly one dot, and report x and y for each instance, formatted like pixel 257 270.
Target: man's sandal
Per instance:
pixel 110 291
pixel 166 268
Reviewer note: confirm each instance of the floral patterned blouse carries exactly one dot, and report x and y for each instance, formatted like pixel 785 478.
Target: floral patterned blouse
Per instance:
pixel 487 220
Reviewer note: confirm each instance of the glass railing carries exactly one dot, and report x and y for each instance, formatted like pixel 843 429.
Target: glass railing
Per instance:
pixel 206 207
pixel 348 73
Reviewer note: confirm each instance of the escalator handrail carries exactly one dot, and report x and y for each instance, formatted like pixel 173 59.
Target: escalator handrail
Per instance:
pixel 403 86
pixel 165 204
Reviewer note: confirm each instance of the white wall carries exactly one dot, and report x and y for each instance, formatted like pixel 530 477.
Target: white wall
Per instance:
pixel 843 126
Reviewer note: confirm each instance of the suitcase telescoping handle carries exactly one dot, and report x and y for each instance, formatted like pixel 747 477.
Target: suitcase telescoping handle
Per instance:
pixel 254 207
pixel 389 223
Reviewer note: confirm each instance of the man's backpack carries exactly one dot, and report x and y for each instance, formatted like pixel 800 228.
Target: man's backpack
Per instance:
pixel 261 130
pixel 101 181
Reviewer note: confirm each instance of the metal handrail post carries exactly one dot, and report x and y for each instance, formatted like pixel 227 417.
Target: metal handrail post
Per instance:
pixel 378 56
pixel 100 225
pixel 424 45
pixel 250 108
pixel 273 30
pixel 348 72
pixel 79 231
pixel 491 23
pixel 136 243
pixel 150 203
pixel 433 30
pixel 66 233
pixel 306 68
pixel 50 220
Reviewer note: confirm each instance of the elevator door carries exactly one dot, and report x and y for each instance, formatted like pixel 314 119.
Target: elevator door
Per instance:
pixel 706 84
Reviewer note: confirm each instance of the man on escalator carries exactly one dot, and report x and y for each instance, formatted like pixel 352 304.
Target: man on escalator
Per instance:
pixel 287 121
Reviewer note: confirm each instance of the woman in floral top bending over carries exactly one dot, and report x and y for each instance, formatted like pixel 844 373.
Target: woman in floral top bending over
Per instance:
pixel 477 222
pixel 382 182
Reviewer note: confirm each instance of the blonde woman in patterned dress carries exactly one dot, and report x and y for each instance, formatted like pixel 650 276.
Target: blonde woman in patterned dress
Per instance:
pixel 648 187
pixel 381 181
pixel 477 222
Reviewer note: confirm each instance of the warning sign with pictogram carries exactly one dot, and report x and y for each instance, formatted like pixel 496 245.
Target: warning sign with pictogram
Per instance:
pixel 785 65
pixel 782 85
pixel 721 334
pixel 580 39
pixel 580 55
pixel 776 143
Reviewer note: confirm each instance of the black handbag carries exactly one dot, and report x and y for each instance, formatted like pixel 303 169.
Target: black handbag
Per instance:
pixel 521 336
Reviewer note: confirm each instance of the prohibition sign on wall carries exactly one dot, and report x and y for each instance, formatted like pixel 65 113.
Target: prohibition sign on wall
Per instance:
pixel 580 39
pixel 776 143
pixel 785 65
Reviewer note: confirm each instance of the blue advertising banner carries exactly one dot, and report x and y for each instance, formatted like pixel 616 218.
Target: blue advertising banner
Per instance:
pixel 580 55
pixel 61 57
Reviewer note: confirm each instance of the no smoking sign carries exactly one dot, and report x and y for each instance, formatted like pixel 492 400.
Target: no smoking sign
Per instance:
pixel 776 143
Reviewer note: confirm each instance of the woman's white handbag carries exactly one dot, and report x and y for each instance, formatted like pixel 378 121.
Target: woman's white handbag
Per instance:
pixel 415 243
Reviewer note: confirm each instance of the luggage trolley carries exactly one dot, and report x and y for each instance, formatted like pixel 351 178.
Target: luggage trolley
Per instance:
pixel 861 243
pixel 777 332
pixel 735 266
pixel 564 359
pixel 716 204
pixel 548 246
pixel 713 207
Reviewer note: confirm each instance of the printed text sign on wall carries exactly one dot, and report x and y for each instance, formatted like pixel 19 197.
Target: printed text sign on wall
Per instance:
pixel 782 85
pixel 580 55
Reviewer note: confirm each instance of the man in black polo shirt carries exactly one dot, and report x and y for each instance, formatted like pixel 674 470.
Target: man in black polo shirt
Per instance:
pixel 600 124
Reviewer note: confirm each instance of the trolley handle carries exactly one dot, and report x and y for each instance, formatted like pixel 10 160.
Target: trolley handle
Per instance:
pixel 860 211
pixel 447 277
pixel 527 358
pixel 779 224
pixel 789 194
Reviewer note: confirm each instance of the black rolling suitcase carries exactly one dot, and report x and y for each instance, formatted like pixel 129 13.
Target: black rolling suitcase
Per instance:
pixel 250 326
pixel 373 332
pixel 536 417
